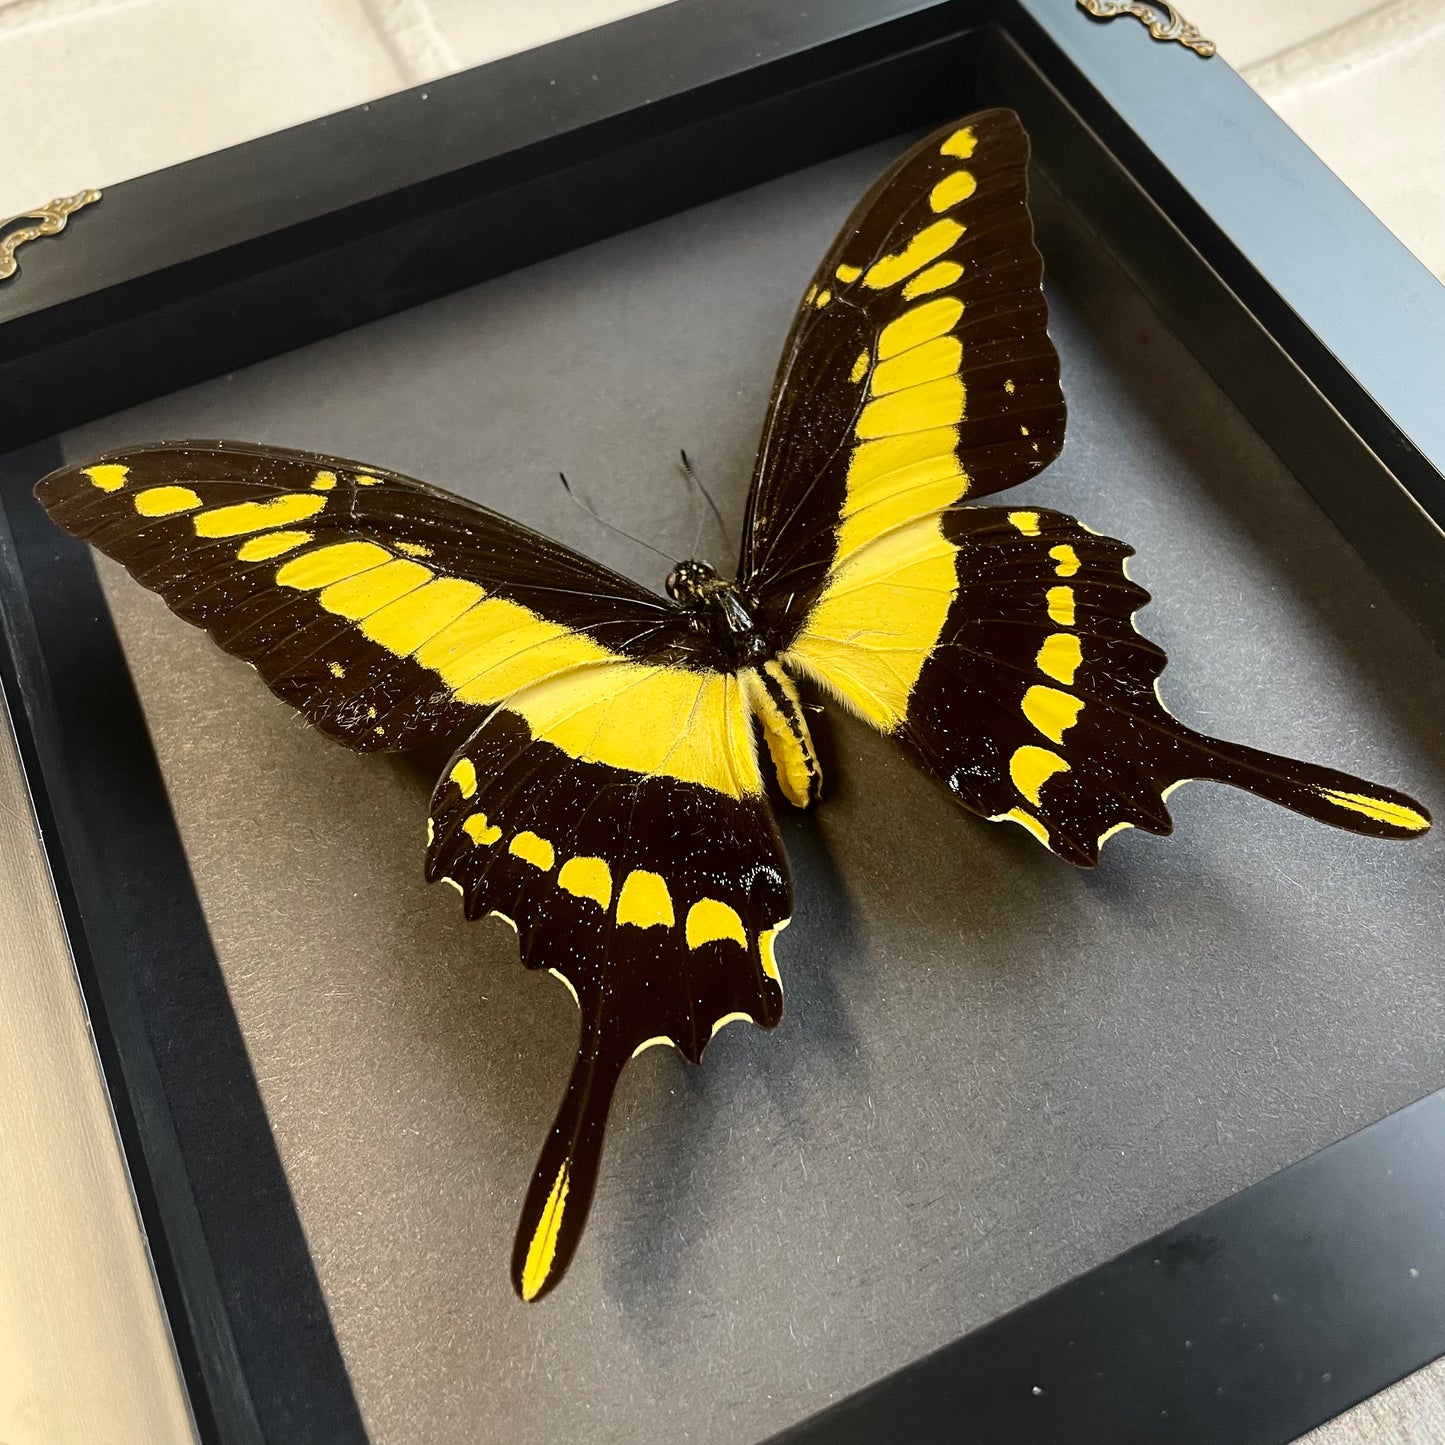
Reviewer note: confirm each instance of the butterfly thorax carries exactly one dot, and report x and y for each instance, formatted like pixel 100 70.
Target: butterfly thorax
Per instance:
pixel 721 609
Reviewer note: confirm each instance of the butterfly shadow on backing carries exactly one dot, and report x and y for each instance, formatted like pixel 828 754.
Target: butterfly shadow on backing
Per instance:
pixel 608 801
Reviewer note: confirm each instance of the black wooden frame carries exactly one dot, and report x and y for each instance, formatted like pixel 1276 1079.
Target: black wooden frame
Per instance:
pixel 1335 352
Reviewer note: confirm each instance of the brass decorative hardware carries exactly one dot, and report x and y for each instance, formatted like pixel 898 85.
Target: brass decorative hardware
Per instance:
pixel 1163 20
pixel 49 220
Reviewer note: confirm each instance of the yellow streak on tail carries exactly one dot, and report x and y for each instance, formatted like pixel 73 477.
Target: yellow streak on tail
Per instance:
pixel 543 1248
pixel 1395 814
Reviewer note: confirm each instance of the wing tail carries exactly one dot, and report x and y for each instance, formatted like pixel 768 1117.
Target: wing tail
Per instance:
pixel 1324 794
pixel 554 1213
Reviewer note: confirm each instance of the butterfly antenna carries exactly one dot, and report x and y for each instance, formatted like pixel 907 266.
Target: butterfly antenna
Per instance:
pixel 693 477
pixel 601 520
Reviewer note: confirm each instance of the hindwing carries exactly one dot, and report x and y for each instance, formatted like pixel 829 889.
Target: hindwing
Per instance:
pixel 618 823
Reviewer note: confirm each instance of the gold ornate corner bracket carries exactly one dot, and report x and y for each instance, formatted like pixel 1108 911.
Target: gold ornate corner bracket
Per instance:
pixel 46 220
pixel 1163 21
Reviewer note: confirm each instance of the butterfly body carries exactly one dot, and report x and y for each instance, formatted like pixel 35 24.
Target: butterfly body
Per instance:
pixel 607 796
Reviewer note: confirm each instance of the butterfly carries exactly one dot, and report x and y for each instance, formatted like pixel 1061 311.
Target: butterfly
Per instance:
pixel 608 800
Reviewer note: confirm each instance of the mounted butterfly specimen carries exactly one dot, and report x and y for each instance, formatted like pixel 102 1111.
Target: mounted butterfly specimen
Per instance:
pixel 608 800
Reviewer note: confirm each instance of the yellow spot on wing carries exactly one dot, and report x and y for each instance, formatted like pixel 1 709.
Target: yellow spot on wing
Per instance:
pixel 766 949
pixel 860 368
pixel 1394 814
pixel 930 362
pixel 847 274
pixel 1024 819
pixel 919 408
pixel 709 921
pixel 1009 387
pixel 330 564
pixel 1066 558
pixel 324 482
pixel 464 775
pixel 928 245
pixel 822 299
pixel 1031 767
pixel 369 591
pixel 1061 605
pixel 273 544
pixel 935 278
pixel 951 190
pixel 960 144
pixel 166 501
pixel 543 1248
pixel 1026 522
pixel 644 901
pixel 413 549
pixel 1052 712
pixel 655 1042
pixel 365 480
pixel 534 850
pixel 245 517
pixel 482 833
pixel 404 625
pixel 336 669
pixel 1060 657
pixel 109 476
pixel 922 323
pixel 587 878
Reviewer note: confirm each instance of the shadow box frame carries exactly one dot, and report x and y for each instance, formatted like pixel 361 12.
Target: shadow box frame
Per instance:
pixel 1334 352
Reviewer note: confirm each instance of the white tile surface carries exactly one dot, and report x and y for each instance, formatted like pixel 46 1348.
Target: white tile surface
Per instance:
pixel 101 90
pixel 1247 31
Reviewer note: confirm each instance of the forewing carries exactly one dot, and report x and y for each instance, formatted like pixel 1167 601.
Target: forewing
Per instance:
pixel 919 369
pixel 387 611
pixel 1037 703
pixel 617 820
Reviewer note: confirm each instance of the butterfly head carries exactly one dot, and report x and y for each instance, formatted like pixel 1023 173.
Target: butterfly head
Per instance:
pixel 693 583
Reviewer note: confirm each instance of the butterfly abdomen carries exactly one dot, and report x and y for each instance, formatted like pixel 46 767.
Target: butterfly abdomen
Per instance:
pixel 774 699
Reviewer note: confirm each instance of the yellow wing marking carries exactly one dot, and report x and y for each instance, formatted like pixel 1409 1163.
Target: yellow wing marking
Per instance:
pixel 951 190
pixel 587 878
pixel 480 831
pixel 1026 522
pixel 860 368
pixel 324 482
pixel 1031 767
pixel 960 144
pixel 726 1019
pixel 109 476
pixel 928 245
pixel 543 1248
pixel 1052 712
pixel 1060 657
pixel 411 621
pixel 935 278
pixel 534 850
pixel 644 901
pixel 922 323
pixel 932 361
pixel 243 517
pixel 324 565
pixel 876 623
pixel 358 597
pixel 1025 820
pixel 165 501
pixel 649 719
pixel 1395 814
pixel 1061 605
pixel 709 921
pixel 1066 560
pixel 766 949
pixel 464 775
pixel 272 544
pixel 848 274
